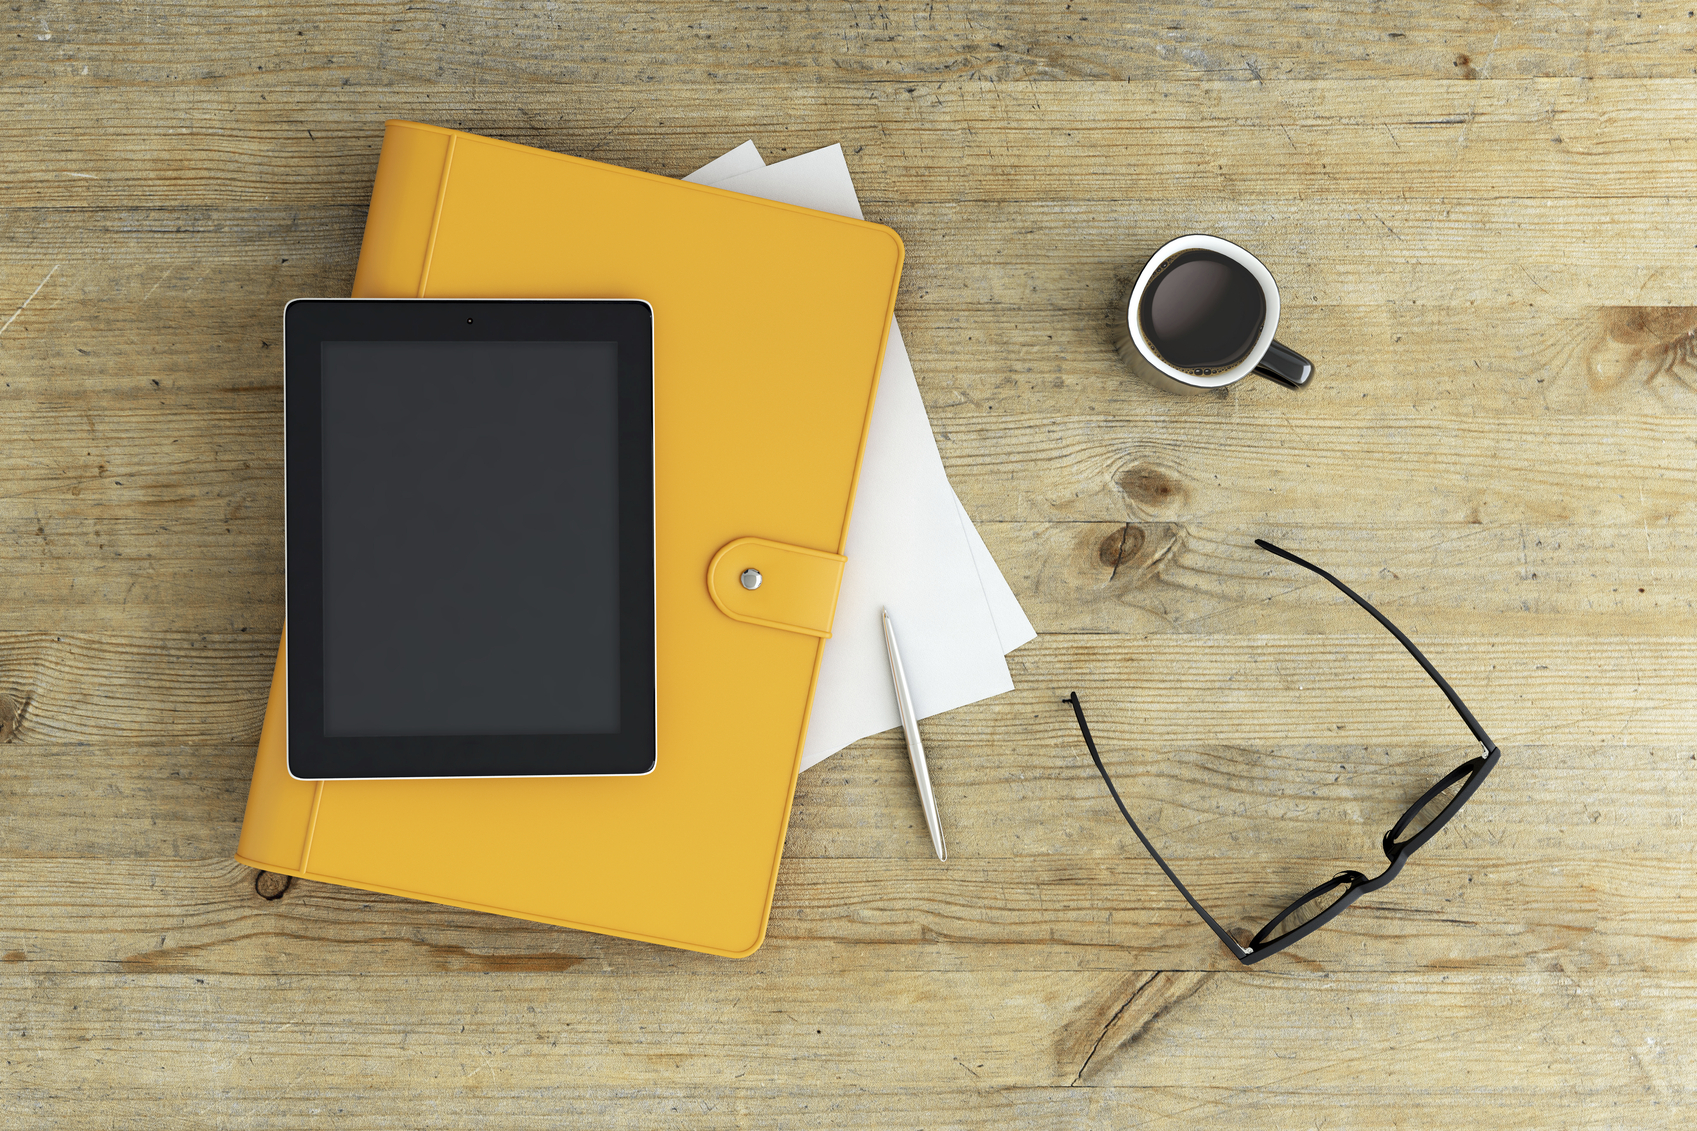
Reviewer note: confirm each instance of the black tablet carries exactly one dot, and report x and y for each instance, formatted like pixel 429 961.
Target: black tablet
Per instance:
pixel 469 537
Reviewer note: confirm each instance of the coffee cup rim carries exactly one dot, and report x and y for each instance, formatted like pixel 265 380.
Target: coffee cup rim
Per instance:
pixel 1270 323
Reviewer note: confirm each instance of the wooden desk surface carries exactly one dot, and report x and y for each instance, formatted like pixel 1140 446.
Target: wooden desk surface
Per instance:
pixel 1482 219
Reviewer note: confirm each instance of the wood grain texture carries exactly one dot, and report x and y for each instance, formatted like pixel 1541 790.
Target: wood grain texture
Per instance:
pixel 1481 217
pixel 488 46
pixel 949 141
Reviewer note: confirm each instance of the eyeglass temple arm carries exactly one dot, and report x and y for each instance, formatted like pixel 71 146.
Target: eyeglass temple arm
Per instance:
pixel 1078 709
pixel 1443 684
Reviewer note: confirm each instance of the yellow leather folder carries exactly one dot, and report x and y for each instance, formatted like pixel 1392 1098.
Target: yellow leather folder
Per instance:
pixel 769 329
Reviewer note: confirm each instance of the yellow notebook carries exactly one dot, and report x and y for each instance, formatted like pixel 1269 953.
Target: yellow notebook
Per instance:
pixel 769 328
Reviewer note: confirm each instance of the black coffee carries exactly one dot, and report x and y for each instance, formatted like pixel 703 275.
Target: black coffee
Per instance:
pixel 1202 311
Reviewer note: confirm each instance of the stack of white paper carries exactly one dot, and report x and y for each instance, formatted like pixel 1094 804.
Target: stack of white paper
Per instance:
pixel 911 547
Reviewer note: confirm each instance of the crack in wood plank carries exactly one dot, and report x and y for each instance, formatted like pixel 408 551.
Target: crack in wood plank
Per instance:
pixel 1159 994
pixel 1099 1036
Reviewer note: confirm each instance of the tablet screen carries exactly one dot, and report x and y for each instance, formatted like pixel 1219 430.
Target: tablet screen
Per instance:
pixel 470 549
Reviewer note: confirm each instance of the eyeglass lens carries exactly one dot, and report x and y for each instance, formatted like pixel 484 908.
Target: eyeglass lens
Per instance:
pixel 1428 814
pixel 1309 907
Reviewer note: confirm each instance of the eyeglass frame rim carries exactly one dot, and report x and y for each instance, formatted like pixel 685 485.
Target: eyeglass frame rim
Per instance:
pixel 1479 769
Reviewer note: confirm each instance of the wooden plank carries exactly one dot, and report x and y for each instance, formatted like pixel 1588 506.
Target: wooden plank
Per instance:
pixel 1471 902
pixel 1154 462
pixel 492 48
pixel 1432 469
pixel 210 688
pixel 1050 260
pixel 121 802
pixel 79 560
pixel 1186 575
pixel 1042 862
pixel 152 690
pixel 711 1023
pixel 1503 360
pixel 106 574
pixel 733 1103
pixel 1467 252
pixel 1519 361
pixel 249 141
pixel 1526 579
pixel 1006 794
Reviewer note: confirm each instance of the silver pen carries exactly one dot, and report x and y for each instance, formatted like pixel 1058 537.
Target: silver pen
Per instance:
pixel 915 748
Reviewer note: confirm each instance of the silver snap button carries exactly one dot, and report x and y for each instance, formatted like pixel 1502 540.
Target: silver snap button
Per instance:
pixel 751 579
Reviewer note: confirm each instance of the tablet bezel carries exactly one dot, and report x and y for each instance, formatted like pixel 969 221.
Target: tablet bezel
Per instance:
pixel 308 323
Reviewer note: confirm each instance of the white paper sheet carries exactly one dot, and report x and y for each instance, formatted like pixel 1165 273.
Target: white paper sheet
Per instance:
pixel 744 158
pixel 912 547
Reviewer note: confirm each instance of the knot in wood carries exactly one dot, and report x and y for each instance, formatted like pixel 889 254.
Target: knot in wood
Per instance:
pixel 270 885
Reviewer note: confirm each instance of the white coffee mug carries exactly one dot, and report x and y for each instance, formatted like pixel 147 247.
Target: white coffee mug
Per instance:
pixel 1265 357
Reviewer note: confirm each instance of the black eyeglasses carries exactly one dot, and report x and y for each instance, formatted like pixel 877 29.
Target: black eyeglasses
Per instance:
pixel 1423 819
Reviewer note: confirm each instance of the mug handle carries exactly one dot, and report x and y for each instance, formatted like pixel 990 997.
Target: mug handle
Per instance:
pixel 1286 366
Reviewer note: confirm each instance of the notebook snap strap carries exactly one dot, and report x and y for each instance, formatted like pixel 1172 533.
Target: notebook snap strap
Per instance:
pixel 758 581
